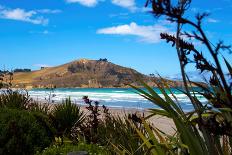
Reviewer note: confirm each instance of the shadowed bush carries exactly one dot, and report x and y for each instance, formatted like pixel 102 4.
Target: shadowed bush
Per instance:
pixel 21 133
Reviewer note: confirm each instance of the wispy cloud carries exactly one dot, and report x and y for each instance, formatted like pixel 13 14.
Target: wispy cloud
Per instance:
pixel 150 34
pixel 212 20
pixel 122 15
pixel 45 32
pixel 49 11
pixel 22 15
pixel 129 4
pixel 195 10
pixel 88 3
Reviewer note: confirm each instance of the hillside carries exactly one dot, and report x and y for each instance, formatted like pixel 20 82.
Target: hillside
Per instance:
pixel 81 73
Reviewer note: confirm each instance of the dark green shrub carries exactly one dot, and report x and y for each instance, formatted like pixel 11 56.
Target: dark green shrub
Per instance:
pixel 44 121
pixel 65 115
pixel 64 149
pixel 21 133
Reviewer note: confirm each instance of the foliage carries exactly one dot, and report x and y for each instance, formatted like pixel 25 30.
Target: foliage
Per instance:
pixel 45 121
pixel 207 129
pixel 100 127
pixel 187 132
pixel 88 129
pixel 6 78
pixel 44 108
pixel 65 115
pixel 14 99
pixel 103 60
pixel 21 133
pixel 118 133
pixel 22 70
pixel 92 149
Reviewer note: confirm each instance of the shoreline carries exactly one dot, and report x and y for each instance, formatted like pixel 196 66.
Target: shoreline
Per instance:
pixel 47 88
pixel 163 123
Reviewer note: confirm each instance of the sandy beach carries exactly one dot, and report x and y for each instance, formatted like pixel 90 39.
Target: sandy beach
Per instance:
pixel 163 123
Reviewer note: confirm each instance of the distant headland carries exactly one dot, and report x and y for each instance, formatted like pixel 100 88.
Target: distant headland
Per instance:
pixel 83 73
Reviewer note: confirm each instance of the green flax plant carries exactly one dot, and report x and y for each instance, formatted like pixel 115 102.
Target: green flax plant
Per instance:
pixel 65 115
pixel 44 108
pixel 208 128
pixel 137 136
pixel 14 99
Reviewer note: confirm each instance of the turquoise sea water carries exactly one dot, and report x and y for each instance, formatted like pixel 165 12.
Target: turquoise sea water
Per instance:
pixel 111 97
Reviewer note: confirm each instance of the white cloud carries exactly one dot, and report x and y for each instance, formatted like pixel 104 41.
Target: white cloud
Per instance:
pixel 194 10
pixel 149 34
pixel 45 32
pixel 88 3
pixel 211 20
pixel 49 11
pixel 145 9
pixel 129 4
pixel 123 14
pixel 22 15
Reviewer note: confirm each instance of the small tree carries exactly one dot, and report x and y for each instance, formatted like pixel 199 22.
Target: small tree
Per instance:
pixel 104 60
pixel 6 79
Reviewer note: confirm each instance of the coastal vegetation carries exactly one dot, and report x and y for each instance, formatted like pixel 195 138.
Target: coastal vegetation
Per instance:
pixel 21 70
pixel 51 129
pixel 21 133
pixel 206 129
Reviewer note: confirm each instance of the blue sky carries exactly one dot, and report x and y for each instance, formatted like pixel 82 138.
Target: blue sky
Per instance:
pixel 34 33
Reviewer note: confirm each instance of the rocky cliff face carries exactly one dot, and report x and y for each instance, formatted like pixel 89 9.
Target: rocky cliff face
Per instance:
pixel 82 73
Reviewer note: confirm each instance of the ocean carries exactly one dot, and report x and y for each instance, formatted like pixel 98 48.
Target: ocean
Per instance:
pixel 110 97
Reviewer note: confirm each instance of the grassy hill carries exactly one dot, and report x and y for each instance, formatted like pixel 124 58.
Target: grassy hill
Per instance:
pixel 81 73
